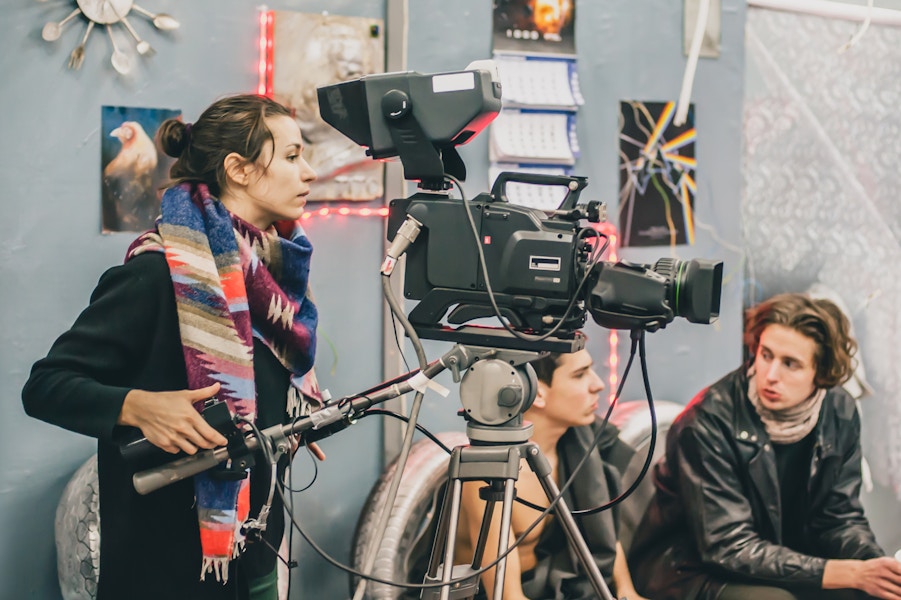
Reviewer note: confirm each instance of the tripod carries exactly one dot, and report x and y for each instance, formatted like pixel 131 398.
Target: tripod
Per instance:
pixel 494 457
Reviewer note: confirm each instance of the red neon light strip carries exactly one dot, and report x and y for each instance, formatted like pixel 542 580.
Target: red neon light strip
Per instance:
pixel 270 50
pixel 345 211
pixel 261 68
pixel 265 67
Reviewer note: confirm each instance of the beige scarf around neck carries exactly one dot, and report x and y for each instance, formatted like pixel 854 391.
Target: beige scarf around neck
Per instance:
pixel 790 425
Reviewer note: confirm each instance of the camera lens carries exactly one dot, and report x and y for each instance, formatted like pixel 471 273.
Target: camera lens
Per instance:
pixel 694 287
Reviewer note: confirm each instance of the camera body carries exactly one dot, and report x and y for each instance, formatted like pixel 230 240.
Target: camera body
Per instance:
pixel 532 263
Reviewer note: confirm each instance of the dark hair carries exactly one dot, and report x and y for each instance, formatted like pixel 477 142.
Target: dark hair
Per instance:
pixel 232 124
pixel 545 367
pixel 818 319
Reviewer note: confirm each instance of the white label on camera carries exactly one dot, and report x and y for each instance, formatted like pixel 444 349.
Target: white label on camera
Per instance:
pixel 453 82
pixel 544 263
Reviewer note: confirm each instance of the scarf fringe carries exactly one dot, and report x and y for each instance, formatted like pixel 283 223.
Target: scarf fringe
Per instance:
pixel 218 565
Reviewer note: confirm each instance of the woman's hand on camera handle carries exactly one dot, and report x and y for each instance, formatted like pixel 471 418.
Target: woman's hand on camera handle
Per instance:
pixel 170 421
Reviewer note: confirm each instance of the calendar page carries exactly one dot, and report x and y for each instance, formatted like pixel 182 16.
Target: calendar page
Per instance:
pixel 528 81
pixel 534 137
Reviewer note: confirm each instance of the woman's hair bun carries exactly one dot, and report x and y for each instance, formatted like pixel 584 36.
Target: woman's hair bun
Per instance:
pixel 174 136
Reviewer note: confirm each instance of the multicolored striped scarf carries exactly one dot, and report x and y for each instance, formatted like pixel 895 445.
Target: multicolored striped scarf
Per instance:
pixel 232 282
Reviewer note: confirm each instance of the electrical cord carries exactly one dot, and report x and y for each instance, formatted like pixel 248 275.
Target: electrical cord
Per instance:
pixel 290 485
pixel 260 524
pixel 650 455
pixel 397 345
pixel 400 417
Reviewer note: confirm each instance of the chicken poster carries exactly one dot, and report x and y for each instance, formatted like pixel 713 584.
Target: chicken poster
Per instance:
pixel 134 167
pixel 312 50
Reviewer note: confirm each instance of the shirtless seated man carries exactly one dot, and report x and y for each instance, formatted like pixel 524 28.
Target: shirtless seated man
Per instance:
pixel 565 425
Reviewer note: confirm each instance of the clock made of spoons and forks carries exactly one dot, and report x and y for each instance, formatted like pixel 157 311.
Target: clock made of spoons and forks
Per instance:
pixel 108 13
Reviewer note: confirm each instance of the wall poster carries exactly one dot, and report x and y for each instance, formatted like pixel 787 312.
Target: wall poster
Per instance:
pixel 535 26
pixel 657 175
pixel 134 167
pixel 312 50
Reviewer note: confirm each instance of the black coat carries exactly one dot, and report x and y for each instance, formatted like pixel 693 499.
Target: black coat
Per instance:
pixel 716 516
pixel 128 338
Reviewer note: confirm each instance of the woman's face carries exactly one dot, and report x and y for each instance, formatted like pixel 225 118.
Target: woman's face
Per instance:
pixel 785 367
pixel 280 182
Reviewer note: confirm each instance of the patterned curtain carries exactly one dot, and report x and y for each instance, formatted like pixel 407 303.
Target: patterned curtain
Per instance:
pixel 822 176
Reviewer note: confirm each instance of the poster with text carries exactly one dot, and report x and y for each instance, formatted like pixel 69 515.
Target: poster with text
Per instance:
pixel 313 50
pixel 134 167
pixel 656 174
pixel 535 26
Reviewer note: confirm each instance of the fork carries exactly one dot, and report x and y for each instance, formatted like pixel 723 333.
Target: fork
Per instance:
pixel 77 56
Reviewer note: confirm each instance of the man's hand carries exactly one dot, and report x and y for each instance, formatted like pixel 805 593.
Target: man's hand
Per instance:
pixel 313 447
pixel 170 421
pixel 878 577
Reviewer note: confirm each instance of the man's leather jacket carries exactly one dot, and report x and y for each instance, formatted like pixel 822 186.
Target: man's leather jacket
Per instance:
pixel 715 516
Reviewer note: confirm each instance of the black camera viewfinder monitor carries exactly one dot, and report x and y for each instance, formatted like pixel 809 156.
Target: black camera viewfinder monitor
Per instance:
pixel 420 118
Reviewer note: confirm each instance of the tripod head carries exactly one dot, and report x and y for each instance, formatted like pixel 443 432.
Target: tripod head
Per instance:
pixel 495 392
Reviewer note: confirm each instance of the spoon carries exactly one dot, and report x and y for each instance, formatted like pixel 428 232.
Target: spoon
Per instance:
pixel 160 20
pixel 121 61
pixel 52 30
pixel 77 56
pixel 143 47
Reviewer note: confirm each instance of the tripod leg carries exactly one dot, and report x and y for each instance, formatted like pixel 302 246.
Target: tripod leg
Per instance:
pixel 487 515
pixel 445 539
pixel 542 468
pixel 504 537
pixel 451 538
pixel 465 584
pixel 440 535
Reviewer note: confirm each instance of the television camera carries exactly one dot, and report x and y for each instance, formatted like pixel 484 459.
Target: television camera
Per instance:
pixel 539 271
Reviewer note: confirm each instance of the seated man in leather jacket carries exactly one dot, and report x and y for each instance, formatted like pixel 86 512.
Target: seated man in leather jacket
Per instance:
pixel 757 495
pixel 543 567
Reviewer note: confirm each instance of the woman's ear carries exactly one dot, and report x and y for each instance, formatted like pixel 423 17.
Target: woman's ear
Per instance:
pixel 237 170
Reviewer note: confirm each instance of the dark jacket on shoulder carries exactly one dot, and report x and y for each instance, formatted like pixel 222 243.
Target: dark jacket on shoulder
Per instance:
pixel 716 515
pixel 127 338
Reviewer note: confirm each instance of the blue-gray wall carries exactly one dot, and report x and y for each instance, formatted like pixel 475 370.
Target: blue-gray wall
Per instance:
pixel 51 251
